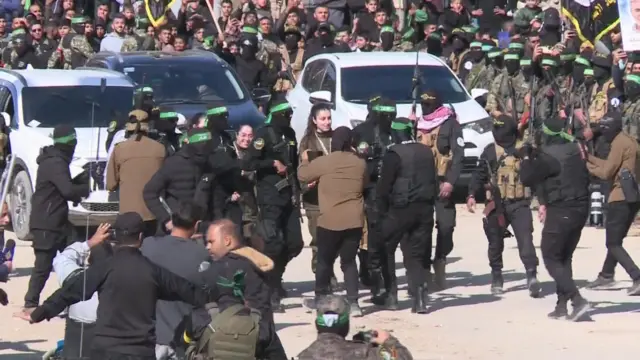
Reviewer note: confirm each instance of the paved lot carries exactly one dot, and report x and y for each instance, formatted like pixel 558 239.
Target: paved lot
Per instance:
pixel 466 321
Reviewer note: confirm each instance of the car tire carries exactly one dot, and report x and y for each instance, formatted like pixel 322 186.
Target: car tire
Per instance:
pixel 20 205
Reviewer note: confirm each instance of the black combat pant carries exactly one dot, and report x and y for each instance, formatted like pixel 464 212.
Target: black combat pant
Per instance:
pixel 518 214
pixel 620 216
pixel 72 339
pixel 46 245
pixel 282 238
pixel 410 227
pixel 445 223
pixel 376 252
pixel 332 243
pixel 560 236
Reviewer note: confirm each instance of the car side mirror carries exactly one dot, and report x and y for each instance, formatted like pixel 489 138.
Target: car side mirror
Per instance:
pixel 260 95
pixel 479 95
pixel 7 119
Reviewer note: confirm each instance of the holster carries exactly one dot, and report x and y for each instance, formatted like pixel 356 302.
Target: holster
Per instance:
pixel 629 186
pixel 491 207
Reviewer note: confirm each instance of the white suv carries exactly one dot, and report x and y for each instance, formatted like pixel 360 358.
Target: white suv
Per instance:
pixel 349 80
pixel 32 103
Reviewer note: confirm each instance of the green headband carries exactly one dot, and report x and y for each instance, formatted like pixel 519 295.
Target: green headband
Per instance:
pixel 516 45
pixel 548 62
pixel 525 62
pixel 342 319
pixel 470 29
pixel 383 108
pixel 588 72
pixel 65 139
pixel 421 16
pixel 633 78
pixel 487 48
pixel 561 134
pixel 408 34
pixel 281 107
pixel 395 125
pixel 511 57
pixel 567 57
pixel 236 285
pixel 249 30
pixel 435 35
pixel 168 115
pixel 386 29
pixel 208 40
pixel 78 20
pixel 200 137
pixel 494 54
pixel 18 31
pixel 475 44
pixel 582 60
pixel 217 111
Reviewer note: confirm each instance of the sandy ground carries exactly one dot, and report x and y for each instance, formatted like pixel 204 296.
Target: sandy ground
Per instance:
pixel 466 322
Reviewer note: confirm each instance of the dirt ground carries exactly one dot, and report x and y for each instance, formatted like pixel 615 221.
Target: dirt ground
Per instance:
pixel 465 322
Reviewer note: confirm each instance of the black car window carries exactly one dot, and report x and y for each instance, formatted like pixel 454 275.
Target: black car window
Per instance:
pixel 312 79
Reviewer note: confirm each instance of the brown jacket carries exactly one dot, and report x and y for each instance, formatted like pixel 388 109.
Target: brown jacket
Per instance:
pixel 623 154
pixel 313 142
pixel 131 165
pixel 341 178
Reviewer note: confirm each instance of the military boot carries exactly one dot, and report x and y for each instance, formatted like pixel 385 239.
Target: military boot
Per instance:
pixel 561 309
pixel 365 279
pixel 533 284
pixel 580 308
pixel 420 300
pixel 276 303
pixel 376 283
pixel 440 274
pixel 389 299
pixel 497 282
pixel 601 283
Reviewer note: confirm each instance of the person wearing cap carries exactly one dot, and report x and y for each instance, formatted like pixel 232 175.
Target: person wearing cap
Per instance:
pixel 407 191
pixel 132 164
pixel 179 177
pixel 74 47
pixel 558 168
pixel 142 100
pixel 340 175
pixel 323 43
pixel 118 40
pixel 439 129
pixel 49 207
pixel 128 285
pixel 470 60
pixel 371 139
pixel 455 49
pixel 163 128
pixel 293 54
pixel 333 324
pixel 508 203
pixel 273 155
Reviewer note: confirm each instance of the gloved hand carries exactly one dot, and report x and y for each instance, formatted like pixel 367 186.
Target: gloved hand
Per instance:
pixel 4 298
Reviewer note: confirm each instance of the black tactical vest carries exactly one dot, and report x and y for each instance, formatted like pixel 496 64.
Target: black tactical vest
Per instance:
pixel 416 181
pixel 572 183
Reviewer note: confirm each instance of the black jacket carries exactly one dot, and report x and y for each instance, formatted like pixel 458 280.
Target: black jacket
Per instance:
pixel 175 181
pixel 128 285
pixel 49 208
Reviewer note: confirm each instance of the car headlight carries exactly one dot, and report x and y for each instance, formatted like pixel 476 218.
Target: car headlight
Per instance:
pixel 355 123
pixel 480 126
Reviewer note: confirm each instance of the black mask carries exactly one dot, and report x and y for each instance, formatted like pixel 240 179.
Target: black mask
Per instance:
pixel 476 55
pixel 589 80
pixel 610 127
pixel 217 123
pixel 549 74
pixel 325 38
pixel 66 149
pixel 386 39
pixel 600 73
pixel 512 66
pixel 434 46
pixel 566 68
pixel 281 119
pixel 458 44
pixel 200 152
pixel 578 74
pixel 291 42
pixel 399 136
pixel 631 90
pixel 247 52
pixel 505 134
pixel 497 62
pixel 527 71
pixel 383 119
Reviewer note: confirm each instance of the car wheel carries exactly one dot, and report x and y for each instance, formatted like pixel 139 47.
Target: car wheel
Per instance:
pixel 20 205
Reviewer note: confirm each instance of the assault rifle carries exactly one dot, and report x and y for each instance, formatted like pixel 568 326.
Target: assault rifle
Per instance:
pixel 495 203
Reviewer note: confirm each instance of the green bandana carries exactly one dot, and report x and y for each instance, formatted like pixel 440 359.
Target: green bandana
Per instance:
pixel 65 139
pixel 168 115
pixel 217 111
pixel 18 31
pixel 561 134
pixel 470 29
pixel 237 284
pixel 386 29
pixel 282 107
pixel 208 40
pixel 395 125
pixel 78 20
pixel 516 45
pixel 525 62
pixel 435 35
pixel 421 16
pixel 583 61
pixel 548 62
pixel 383 108
pixel 331 320
pixel 475 44
pixel 487 48
pixel 511 57
pixel 588 72
pixel 633 78
pixel 200 137
pixel 249 30
pixel 494 54
pixel 408 34
pixel 567 57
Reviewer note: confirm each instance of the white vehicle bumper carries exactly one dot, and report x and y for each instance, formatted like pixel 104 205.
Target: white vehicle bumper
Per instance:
pixel 94 210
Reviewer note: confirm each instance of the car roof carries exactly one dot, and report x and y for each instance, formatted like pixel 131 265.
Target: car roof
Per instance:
pixel 52 77
pixel 148 57
pixel 378 58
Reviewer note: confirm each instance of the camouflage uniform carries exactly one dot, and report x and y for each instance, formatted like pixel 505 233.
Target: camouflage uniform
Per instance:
pixel 333 346
pixel 77 45
pixel 473 77
pixel 500 94
pixel 631 118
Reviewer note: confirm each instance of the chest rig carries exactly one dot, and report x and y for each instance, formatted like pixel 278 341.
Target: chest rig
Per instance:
pixel 442 161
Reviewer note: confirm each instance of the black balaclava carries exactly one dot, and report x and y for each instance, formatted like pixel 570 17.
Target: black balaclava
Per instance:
pixel 567 61
pixel 217 119
pixel 199 145
pixel 249 47
pixel 401 130
pixel 143 99
pixel 517 46
pixel 341 139
pixel 495 58
pixel 382 111
pixel 458 42
pixel 386 37
pixel 588 77
pixel 632 86
pixel 475 53
pixel 611 125
pixel 505 132
pixel 280 113
pixel 601 67
pixel 526 65
pixel 487 47
pixel 553 131
pixel 65 140
pixel 549 66
pixel 434 44
pixel 167 122
pixel 21 44
pixel 512 63
pixel 429 102
pixel 551 27
pixel 579 65
pixel 292 38
pixel 325 34
pixel 77 24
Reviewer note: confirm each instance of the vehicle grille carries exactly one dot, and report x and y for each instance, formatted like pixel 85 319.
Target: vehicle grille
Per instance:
pixel 97 170
pixel 469 164
pixel 100 207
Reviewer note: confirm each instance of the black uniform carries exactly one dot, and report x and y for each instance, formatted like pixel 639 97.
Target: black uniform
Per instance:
pixel 253 72
pixel 406 194
pixel 49 208
pixel 279 209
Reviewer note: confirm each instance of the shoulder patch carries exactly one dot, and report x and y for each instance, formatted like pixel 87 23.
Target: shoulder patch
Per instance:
pixel 460 141
pixel 363 146
pixel 112 126
pixel 258 143
pixel 615 102
pixel 468 65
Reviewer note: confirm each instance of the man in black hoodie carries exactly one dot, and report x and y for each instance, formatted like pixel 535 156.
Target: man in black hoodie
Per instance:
pixel 49 208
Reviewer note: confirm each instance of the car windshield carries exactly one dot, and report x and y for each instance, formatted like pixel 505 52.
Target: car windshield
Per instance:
pixel 186 84
pixel 73 105
pixel 359 84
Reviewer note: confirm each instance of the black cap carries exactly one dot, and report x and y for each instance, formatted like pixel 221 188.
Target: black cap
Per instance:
pixel 555 123
pixel 64 134
pixel 601 60
pixel 127 225
pixel 324 25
